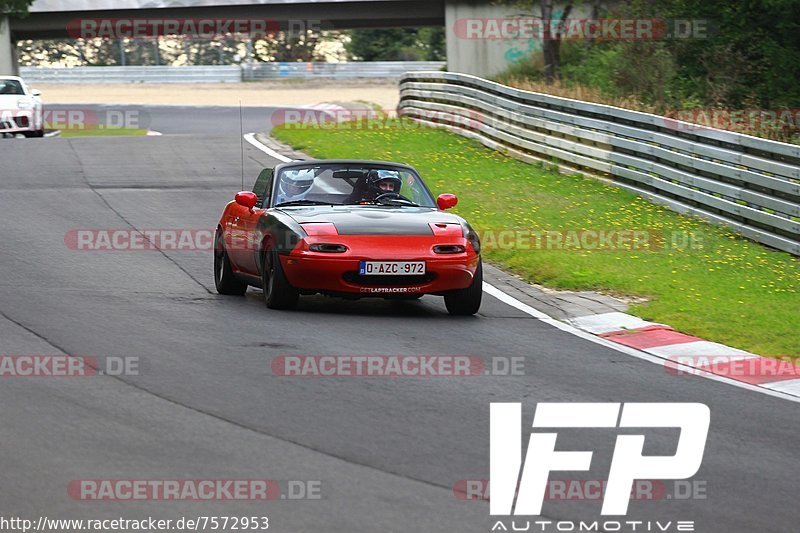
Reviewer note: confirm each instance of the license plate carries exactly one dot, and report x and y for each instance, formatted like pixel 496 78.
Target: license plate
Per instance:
pixel 392 268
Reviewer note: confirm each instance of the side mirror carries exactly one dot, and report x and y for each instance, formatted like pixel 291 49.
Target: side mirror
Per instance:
pixel 247 199
pixel 446 201
pixel 36 92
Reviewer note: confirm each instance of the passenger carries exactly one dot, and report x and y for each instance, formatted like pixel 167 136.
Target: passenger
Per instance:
pixel 294 185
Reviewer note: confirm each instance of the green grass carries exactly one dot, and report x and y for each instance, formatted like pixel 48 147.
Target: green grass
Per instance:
pixel 726 289
pixel 102 132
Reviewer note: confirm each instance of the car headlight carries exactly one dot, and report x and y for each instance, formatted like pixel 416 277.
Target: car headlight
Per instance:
pixel 24 103
pixel 472 236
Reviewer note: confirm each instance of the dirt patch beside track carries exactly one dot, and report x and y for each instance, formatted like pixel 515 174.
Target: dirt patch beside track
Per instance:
pixel 274 93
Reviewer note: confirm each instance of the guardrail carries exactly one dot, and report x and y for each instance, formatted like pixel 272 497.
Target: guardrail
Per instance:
pixel 224 73
pixel 749 184
pixel 366 69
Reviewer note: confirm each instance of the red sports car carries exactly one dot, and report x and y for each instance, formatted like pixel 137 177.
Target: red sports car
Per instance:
pixel 348 229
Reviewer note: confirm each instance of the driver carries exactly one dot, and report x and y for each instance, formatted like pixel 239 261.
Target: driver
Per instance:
pixel 294 185
pixel 380 182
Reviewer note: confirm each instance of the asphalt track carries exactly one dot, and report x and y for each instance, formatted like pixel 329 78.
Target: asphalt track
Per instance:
pixel 207 405
pixel 215 120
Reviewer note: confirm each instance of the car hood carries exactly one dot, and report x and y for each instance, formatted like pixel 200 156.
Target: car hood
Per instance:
pixel 374 220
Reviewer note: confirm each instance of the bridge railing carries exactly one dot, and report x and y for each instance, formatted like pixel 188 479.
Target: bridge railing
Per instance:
pixel 133 74
pixel 749 184
pixel 365 69
pixel 227 74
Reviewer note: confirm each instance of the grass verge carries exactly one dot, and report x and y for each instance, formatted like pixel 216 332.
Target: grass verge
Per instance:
pixel 701 279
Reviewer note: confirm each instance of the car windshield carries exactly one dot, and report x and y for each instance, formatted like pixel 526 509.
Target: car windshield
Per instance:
pixel 350 184
pixel 13 87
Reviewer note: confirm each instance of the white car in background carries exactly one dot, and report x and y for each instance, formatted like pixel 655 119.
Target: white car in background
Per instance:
pixel 20 108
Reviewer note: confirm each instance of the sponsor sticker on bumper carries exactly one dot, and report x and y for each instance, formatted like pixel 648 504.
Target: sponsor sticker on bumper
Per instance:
pixel 391 290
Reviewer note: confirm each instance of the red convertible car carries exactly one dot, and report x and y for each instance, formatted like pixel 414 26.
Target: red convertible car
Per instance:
pixel 349 229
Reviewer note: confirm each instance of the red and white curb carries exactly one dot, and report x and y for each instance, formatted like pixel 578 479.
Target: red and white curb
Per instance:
pixel 687 355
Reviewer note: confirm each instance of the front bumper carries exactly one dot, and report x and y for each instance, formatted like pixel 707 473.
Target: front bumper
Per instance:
pixel 337 273
pixel 18 122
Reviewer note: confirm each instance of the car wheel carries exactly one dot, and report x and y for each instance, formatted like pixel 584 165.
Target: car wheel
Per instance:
pixel 466 301
pixel 278 294
pixel 224 278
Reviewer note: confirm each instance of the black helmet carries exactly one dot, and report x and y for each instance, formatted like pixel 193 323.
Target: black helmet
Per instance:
pixel 376 177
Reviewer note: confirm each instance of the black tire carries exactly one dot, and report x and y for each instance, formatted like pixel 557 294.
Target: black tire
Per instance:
pixel 467 301
pixel 278 294
pixel 224 279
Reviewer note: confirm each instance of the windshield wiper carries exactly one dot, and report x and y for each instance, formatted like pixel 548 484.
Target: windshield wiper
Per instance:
pixel 303 202
pixel 398 202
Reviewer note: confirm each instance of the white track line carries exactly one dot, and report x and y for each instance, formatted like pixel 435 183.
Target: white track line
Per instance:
pixel 572 330
pixel 251 138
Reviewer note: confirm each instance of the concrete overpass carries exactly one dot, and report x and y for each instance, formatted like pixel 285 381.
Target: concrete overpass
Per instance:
pixel 49 19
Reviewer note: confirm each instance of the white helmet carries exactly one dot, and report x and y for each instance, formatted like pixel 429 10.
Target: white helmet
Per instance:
pixel 295 184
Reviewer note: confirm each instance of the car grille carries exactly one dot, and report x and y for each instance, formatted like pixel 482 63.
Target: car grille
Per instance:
pixel 22 122
pixel 388 281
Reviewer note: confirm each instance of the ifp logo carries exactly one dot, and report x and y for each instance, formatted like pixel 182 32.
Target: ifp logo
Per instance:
pixel 627 464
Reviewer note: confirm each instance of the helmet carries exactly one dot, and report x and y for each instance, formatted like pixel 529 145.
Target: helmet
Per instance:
pixel 383 181
pixel 294 184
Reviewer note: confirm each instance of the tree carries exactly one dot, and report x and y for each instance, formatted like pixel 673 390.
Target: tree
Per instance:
pixel 15 8
pixel 433 43
pixel 554 25
pixel 381 45
pixel 400 44
pixel 551 42
pixel 738 54
pixel 288 47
